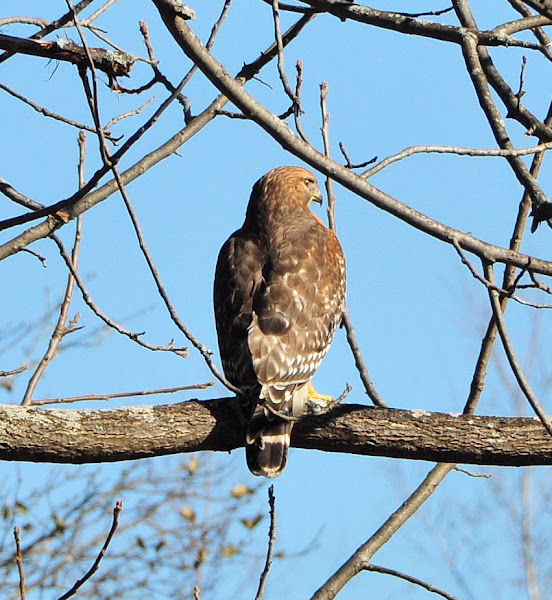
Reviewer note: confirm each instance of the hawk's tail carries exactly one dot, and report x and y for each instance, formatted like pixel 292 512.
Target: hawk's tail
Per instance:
pixel 267 445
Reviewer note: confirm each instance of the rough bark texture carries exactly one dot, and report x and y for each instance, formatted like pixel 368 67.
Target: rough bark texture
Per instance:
pixel 88 436
pixel 112 62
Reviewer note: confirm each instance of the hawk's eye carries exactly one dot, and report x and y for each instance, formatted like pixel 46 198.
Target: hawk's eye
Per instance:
pixel 309 182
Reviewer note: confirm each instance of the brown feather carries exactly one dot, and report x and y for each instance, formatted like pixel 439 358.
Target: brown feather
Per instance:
pixel 278 295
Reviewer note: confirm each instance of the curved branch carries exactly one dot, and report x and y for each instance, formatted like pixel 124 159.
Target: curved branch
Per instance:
pixel 92 436
pixel 277 129
pixel 79 202
pixel 403 23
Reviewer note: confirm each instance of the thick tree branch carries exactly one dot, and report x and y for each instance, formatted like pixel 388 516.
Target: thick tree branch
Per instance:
pixel 91 436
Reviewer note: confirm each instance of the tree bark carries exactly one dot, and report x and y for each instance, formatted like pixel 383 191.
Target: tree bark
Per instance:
pixel 112 62
pixel 91 436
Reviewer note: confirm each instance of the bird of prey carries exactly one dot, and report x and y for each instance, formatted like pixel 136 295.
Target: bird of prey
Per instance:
pixel 279 295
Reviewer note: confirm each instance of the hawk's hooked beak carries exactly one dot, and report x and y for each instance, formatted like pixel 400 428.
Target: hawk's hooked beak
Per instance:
pixel 317 197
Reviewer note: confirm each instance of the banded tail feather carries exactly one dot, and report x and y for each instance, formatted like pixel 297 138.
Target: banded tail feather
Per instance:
pixel 267 444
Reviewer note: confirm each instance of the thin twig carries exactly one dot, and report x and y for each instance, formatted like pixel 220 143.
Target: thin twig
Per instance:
pixel 18 197
pixel 203 350
pixel 428 13
pixel 271 542
pixel 346 319
pixel 295 99
pixel 78 584
pixel 89 20
pixel 24 21
pixel 521 91
pixel 362 369
pixel 134 336
pixel 166 149
pixel 13 371
pixel 95 397
pixel 41 258
pixel 326 141
pixel 49 113
pixel 505 293
pixel 130 113
pixel 539 284
pixel 419 582
pixel 348 162
pixel 62 328
pixel 460 151
pixel 471 473
pixel 19 561
pixel 508 348
pixel 92 100
pixel 91 92
pixel 362 557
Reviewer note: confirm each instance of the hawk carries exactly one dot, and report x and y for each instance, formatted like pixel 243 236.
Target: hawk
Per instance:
pixel 279 294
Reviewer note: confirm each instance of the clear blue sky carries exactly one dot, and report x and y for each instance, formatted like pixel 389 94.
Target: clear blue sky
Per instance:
pixel 419 313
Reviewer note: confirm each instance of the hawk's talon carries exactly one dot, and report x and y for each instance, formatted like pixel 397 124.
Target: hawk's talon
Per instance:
pixel 320 404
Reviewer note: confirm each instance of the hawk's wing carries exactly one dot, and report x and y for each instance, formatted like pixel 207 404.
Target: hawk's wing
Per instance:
pixel 295 312
pixel 237 279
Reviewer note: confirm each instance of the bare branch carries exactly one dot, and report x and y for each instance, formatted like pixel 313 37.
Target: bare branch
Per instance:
pixel 295 100
pixel 22 20
pixel 348 162
pixel 271 542
pixel 49 113
pixel 403 23
pixel 134 336
pixel 423 584
pixel 490 286
pixel 95 397
pixel 489 152
pixel 62 328
pixel 279 131
pixel 88 197
pixel 508 348
pixel 346 319
pixel 128 433
pixel 13 371
pixel 57 24
pixel 18 197
pixel 369 386
pixel 19 561
pixel 114 64
pixel 116 512
pixel 362 557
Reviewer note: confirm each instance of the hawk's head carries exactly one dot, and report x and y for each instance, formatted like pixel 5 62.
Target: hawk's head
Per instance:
pixel 286 189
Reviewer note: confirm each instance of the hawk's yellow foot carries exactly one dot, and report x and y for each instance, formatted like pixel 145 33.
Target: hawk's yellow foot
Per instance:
pixel 318 403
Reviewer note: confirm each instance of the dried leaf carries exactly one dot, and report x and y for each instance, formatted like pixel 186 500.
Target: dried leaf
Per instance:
pixel 202 556
pixel 188 513
pixel 240 490
pixel 229 551
pixel 252 522
pixel 60 524
pixel 192 466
